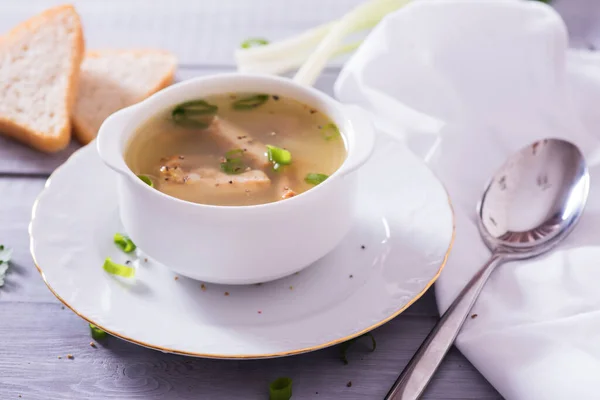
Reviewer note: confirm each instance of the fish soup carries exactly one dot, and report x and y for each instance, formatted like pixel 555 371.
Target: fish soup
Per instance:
pixel 235 150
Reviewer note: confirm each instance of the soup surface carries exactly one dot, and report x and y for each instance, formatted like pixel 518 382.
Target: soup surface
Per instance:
pixel 237 149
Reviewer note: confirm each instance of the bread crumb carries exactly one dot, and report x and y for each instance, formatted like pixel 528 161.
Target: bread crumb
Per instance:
pixel 473 316
pixel 203 287
pixel 59 357
pixel 176 278
pixel 70 357
pixel 226 293
pixel 93 344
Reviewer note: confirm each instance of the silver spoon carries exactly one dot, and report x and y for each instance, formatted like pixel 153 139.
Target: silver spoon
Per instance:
pixel 532 203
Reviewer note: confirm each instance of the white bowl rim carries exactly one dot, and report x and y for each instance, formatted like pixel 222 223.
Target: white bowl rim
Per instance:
pixel 309 90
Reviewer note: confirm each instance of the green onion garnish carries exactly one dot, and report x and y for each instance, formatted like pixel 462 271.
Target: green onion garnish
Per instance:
pixel 250 102
pixel 147 180
pixel 194 114
pixel 5 254
pixel 315 179
pixel 254 42
pixel 278 156
pixel 124 243
pixel 280 389
pixel 346 345
pixel 97 333
pixel 233 163
pixel 118 269
pixel 331 131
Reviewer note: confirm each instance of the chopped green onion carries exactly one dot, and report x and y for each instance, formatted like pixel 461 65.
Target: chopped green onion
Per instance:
pixel 124 243
pixel 278 156
pixel 346 345
pixel 196 107
pixel 331 131
pixel 280 389
pixel 5 254
pixel 194 114
pixel 147 180
pixel 254 42
pixel 250 102
pixel 118 269
pixel 315 179
pixel 288 54
pixel 366 14
pixel 233 165
pixel 97 333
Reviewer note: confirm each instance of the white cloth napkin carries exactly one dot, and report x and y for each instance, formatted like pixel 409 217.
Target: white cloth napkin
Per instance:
pixel 466 83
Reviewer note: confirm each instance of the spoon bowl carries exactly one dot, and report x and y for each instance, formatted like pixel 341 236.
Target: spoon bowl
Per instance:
pixel 534 200
pixel 530 205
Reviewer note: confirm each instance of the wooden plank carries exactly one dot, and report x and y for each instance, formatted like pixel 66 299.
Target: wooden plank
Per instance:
pixel 37 335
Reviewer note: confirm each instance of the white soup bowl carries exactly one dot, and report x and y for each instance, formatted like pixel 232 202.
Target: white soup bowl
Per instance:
pixel 237 244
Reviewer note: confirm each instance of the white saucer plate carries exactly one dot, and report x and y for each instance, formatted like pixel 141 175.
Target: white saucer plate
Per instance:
pixel 400 241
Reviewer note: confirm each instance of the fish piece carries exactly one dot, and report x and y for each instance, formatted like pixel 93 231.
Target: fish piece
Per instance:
pixel 179 169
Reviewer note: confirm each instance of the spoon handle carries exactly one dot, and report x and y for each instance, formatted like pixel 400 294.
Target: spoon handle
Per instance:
pixel 419 371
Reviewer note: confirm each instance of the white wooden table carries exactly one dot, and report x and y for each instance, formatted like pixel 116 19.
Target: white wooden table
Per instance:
pixel 35 328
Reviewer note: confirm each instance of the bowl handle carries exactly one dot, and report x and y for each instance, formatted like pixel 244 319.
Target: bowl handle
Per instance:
pixel 110 140
pixel 363 143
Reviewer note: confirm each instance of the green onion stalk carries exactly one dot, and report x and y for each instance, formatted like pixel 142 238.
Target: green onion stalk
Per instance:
pixel 311 50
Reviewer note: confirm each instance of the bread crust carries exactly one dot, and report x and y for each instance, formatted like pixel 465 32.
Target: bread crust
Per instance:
pixel 86 133
pixel 45 141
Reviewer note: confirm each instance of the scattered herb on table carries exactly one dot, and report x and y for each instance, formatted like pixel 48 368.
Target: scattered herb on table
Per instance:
pixel 124 243
pixel 280 389
pixel 5 255
pixel 346 345
pixel 97 333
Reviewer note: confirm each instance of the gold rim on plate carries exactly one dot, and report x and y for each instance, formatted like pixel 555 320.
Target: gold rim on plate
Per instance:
pixel 246 356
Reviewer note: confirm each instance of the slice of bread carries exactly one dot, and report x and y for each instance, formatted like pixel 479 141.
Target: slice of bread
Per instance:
pixel 39 69
pixel 114 79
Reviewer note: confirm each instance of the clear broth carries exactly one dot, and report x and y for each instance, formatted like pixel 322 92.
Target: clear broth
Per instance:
pixel 187 162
